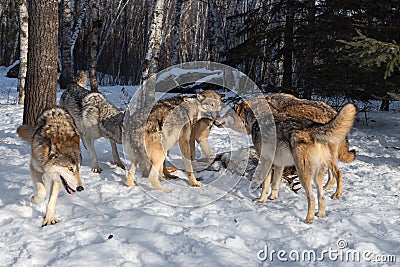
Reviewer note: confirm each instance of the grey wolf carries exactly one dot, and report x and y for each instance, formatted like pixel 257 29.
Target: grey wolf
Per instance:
pixel 95 117
pixel 319 112
pixel 55 155
pixel 170 121
pixel 299 142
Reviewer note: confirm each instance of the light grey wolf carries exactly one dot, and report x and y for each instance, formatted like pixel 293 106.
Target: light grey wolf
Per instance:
pixel 320 112
pixel 170 121
pixel 55 155
pixel 300 142
pixel 95 117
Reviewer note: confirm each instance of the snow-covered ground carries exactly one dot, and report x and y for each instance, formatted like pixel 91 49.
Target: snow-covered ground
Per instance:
pixel 109 224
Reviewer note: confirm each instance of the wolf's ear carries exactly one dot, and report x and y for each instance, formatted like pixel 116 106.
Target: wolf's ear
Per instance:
pixel 221 95
pixel 200 97
pixel 75 139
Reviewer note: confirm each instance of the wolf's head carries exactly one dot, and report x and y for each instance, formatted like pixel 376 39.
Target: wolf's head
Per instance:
pixel 210 104
pixel 234 119
pixel 63 163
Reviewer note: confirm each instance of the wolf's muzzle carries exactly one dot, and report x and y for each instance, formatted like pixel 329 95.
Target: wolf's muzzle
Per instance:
pixel 80 188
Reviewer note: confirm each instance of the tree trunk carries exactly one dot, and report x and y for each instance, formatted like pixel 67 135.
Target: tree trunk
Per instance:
pixel 309 59
pixel 150 65
pixel 273 67
pixel 288 47
pixel 215 29
pixel 94 45
pixel 385 104
pixel 177 28
pixel 78 24
pixel 23 40
pixel 66 52
pixel 41 78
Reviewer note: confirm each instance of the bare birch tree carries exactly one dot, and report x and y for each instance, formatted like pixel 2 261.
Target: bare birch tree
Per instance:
pixel 79 22
pixel 150 65
pixel 94 44
pixel 23 57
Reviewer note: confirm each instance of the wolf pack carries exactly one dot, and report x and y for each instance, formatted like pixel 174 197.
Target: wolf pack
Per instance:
pixel 308 135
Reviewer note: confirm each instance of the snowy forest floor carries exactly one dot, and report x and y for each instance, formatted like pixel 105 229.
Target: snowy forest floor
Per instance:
pixel 113 225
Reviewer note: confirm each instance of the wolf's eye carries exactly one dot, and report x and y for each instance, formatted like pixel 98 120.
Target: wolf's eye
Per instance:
pixel 70 169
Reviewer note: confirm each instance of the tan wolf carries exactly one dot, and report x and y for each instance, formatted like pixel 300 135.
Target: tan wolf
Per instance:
pixel 300 142
pixel 320 112
pixel 95 117
pixel 170 121
pixel 55 156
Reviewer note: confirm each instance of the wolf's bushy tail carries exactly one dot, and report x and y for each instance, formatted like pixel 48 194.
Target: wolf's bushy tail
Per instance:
pixel 25 132
pixel 344 154
pixel 336 130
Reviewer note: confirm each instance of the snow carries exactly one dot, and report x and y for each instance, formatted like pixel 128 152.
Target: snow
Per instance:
pixel 113 225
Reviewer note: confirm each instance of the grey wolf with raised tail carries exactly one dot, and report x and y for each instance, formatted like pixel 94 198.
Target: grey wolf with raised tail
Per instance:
pixel 319 112
pixel 299 142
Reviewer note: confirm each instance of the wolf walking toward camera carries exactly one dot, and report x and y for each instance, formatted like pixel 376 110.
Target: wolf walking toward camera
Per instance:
pixel 55 155
pixel 95 117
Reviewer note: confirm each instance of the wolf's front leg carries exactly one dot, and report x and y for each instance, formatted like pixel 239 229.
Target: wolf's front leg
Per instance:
pixel 89 144
pixel 266 185
pixel 51 205
pixel 130 181
pixel 117 160
pixel 185 149
pixel 276 182
pixel 40 194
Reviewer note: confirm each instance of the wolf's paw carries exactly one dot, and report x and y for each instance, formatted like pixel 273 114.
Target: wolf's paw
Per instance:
pixel 309 220
pixel 119 164
pixel 336 195
pixel 49 220
pixel 196 183
pixel 321 214
pixel 96 170
pixel 130 184
pixel 37 199
pixel 327 187
pixel 260 200
pixel 273 195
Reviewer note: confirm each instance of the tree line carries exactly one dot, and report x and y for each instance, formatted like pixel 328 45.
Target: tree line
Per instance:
pixel 296 46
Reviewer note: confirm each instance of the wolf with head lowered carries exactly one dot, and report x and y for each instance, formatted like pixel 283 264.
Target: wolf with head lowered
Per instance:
pixel 299 142
pixel 55 157
pixel 169 121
